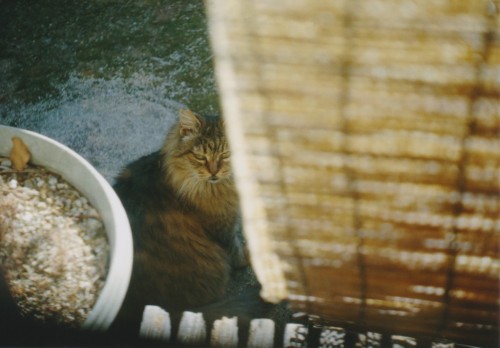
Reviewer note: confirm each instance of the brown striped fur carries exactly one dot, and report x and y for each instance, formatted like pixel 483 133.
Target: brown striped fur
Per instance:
pixel 183 209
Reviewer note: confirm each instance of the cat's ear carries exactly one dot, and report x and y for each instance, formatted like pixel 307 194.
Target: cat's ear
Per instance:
pixel 189 123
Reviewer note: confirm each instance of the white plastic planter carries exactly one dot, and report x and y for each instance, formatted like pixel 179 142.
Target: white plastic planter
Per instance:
pixel 84 177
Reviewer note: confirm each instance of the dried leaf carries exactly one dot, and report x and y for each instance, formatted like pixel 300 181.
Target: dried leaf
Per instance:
pixel 20 155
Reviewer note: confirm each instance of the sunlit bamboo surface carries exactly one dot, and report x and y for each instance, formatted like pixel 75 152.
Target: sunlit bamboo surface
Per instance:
pixel 365 141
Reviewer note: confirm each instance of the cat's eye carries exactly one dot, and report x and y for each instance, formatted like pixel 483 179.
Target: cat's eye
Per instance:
pixel 199 157
pixel 225 155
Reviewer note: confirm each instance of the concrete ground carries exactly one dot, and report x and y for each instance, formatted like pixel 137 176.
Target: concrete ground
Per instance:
pixel 105 78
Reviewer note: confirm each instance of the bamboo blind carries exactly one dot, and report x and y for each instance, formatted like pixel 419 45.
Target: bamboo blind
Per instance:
pixel 365 140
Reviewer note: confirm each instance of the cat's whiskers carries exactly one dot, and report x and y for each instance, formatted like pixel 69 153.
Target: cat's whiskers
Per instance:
pixel 188 186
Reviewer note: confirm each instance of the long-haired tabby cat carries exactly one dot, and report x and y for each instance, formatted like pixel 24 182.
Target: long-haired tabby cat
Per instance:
pixel 183 208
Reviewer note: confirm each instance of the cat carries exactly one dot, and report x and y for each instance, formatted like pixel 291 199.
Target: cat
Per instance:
pixel 183 208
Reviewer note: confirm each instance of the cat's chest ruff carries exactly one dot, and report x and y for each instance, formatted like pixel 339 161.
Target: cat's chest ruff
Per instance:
pixel 214 202
pixel 216 215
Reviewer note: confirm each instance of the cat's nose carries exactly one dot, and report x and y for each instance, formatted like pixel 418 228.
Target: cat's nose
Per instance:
pixel 213 167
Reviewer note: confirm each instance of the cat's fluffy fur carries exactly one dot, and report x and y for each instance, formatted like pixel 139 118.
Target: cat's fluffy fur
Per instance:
pixel 183 209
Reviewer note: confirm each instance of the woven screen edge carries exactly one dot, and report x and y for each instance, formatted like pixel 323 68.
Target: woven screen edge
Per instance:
pixel 265 261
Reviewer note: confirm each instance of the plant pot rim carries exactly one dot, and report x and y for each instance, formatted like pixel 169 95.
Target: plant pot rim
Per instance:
pixel 61 160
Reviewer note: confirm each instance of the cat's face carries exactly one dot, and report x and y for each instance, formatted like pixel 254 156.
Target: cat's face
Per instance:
pixel 205 149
